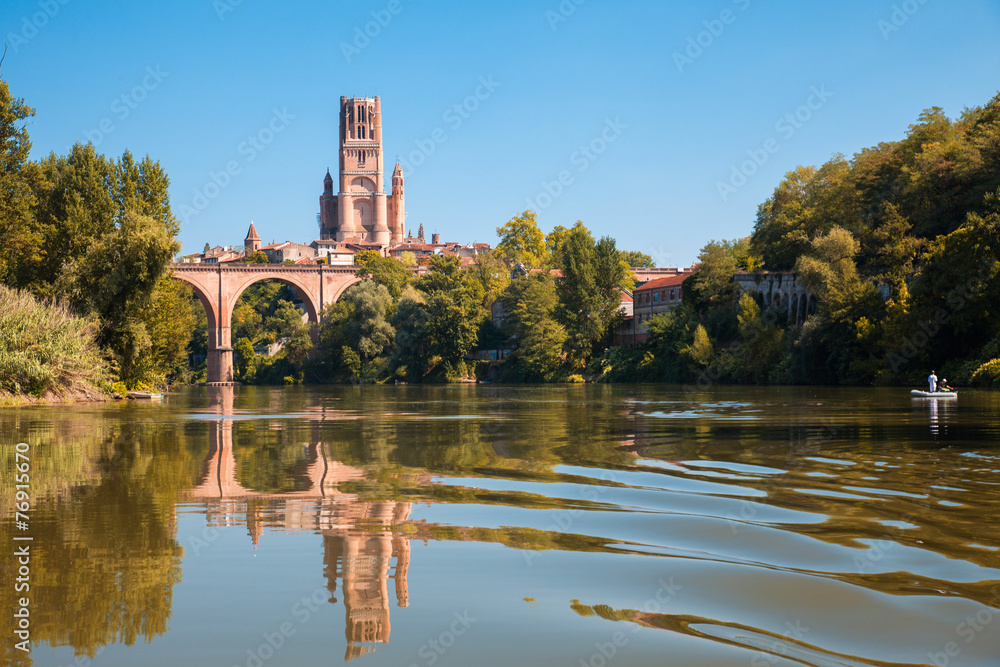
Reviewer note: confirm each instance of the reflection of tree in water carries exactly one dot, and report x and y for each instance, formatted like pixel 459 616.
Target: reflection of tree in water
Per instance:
pixel 104 558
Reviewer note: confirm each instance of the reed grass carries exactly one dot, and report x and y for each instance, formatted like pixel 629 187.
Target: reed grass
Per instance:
pixel 47 352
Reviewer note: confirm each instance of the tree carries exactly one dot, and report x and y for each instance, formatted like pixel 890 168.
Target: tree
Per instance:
pixel 636 259
pixel 383 270
pixel 700 351
pixel 116 279
pixel 295 333
pixel 671 341
pixel 521 241
pixel 454 302
pixel 713 283
pixel 420 233
pixel 554 241
pixel 368 330
pixel 492 275
pixel 784 225
pixel 332 341
pixel 18 234
pixel 530 305
pixel 207 247
pixel 411 357
pixel 170 323
pixel 956 292
pixel 247 361
pixel 555 238
pixel 589 291
pixel 887 250
pixel 256 257
pixel 762 343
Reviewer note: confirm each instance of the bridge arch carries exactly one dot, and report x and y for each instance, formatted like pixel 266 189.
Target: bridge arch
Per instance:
pixel 219 286
pixel 313 310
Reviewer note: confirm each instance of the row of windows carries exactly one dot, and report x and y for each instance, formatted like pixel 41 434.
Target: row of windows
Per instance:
pixel 662 294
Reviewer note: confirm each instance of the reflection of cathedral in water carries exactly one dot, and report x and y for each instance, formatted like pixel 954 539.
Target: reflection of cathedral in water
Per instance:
pixel 362 562
pixel 360 539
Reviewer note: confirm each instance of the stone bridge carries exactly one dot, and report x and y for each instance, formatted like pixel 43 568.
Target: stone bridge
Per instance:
pixel 219 286
pixel 779 290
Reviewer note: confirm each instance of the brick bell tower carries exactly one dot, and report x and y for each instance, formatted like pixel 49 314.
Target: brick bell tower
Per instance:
pixel 360 210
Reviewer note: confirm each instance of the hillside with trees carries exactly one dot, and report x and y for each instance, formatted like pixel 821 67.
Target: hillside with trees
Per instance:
pixel 901 246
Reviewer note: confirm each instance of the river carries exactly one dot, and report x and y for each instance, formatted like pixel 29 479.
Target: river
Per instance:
pixel 494 525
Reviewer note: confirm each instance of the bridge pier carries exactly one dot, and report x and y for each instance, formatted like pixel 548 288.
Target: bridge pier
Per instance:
pixel 220 357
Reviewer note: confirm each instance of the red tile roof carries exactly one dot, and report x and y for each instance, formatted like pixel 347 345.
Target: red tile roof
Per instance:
pixel 660 283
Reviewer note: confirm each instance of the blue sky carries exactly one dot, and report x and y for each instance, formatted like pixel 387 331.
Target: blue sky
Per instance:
pixel 626 114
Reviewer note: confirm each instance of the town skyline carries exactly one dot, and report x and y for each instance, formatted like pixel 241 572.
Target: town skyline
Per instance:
pixel 665 143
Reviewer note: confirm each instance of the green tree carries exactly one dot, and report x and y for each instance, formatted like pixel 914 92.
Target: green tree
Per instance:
pixel 454 302
pixel 19 236
pixel 383 270
pixel 956 292
pixel 493 277
pixel 170 322
pixel 116 278
pixel 247 361
pixel 636 259
pixel 713 283
pixel 411 357
pixel 555 239
pixel 671 343
pixel 589 292
pixel 784 222
pixel 530 305
pixel 369 330
pixel 521 240
pixel 333 340
pixel 256 257
pixel 288 322
pixel 700 351
pixel 762 343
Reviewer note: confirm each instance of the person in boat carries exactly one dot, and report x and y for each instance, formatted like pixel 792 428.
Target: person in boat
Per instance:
pixel 932 382
pixel 943 386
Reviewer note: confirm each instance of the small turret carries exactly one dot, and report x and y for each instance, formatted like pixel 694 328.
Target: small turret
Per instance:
pixel 252 242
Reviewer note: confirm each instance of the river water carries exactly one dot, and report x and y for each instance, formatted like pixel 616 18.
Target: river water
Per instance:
pixel 491 525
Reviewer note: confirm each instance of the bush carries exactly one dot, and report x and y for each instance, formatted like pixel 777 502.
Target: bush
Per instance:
pixel 987 375
pixel 47 351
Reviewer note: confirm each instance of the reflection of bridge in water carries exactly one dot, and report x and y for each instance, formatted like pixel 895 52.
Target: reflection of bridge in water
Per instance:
pixel 360 538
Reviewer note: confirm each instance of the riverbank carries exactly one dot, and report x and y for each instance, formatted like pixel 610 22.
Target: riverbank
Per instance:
pixel 8 400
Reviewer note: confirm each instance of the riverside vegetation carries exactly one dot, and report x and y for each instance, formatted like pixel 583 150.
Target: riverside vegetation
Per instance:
pixel 900 244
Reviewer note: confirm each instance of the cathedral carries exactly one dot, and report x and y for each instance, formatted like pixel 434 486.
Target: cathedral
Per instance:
pixel 361 211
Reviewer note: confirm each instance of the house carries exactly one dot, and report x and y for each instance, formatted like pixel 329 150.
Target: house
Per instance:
pixel 221 255
pixel 653 298
pixel 278 253
pixel 335 253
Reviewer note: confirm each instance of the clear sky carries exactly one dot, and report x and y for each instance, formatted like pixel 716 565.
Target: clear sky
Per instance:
pixel 641 108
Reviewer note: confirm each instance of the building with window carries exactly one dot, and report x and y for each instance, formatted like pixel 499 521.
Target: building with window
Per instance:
pixel 657 296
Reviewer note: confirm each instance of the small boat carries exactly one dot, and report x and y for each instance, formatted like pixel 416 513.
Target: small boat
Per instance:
pixel 148 395
pixel 916 393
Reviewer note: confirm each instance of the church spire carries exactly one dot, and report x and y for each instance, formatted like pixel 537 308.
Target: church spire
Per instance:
pixel 252 242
